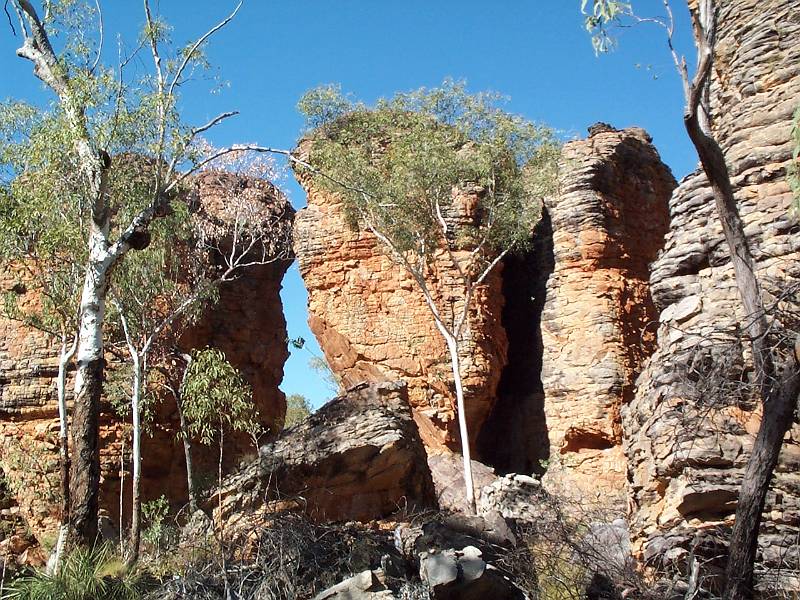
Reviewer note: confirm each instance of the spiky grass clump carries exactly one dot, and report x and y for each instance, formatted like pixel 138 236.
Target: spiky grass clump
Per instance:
pixel 85 574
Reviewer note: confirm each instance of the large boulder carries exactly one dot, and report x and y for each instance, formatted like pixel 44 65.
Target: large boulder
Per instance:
pixel 359 457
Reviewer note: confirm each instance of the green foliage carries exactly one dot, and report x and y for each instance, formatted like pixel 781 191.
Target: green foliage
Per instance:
pixel 156 532
pixel 324 104
pixel 396 166
pixel 602 15
pixel 27 459
pixel 298 407
pixel 44 198
pixel 40 236
pixel 321 367
pixel 85 574
pixel 216 397
pixel 794 167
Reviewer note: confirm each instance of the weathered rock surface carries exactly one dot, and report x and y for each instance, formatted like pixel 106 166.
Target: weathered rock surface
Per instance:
pixel 454 556
pixel 608 223
pixel 464 575
pixel 373 324
pixel 247 324
pixel 686 443
pixel 447 471
pixel 359 457
pixel 367 585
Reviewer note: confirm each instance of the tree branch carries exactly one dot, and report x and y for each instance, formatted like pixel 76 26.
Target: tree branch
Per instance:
pixel 197 44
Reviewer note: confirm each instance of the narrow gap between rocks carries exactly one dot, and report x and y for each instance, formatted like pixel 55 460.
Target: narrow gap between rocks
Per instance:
pixel 514 438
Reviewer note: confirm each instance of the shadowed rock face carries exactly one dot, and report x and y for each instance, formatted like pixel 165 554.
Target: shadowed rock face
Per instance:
pixel 247 324
pixel 357 457
pixel 686 447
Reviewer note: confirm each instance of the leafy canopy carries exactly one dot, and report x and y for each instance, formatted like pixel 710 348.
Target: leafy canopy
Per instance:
pixel 44 206
pixel 602 15
pixel 398 167
pixel 298 407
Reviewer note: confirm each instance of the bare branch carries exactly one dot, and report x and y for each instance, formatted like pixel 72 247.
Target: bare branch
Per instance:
pixel 38 49
pixel 8 16
pixel 213 122
pixel 197 44
pixel 102 33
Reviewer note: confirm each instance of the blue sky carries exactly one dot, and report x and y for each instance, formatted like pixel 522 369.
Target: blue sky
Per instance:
pixel 533 51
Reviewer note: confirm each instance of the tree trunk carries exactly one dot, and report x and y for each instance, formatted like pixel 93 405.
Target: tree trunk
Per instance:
pixel 778 416
pixel 136 455
pixel 469 485
pixel 63 438
pixel 187 453
pixel 187 442
pixel 122 493
pixel 85 475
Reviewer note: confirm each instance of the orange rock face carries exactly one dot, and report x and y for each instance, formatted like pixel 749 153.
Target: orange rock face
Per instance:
pixel 608 224
pixel 373 324
pixel 247 324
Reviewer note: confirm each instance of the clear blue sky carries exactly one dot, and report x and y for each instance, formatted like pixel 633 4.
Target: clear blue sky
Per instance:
pixel 534 51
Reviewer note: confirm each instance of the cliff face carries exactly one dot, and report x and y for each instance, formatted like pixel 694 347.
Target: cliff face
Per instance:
pixel 607 224
pixel 247 323
pixel 687 438
pixel 373 324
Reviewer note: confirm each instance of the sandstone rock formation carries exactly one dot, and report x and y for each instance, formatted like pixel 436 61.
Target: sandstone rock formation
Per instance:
pixel 581 308
pixel 608 224
pixel 686 442
pixel 358 457
pixel 247 324
pixel 372 322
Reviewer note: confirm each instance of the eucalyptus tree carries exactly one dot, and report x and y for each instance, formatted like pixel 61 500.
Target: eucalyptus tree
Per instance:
pixel 104 113
pixel 403 171
pixel 42 257
pixel 162 289
pixel 778 384
pixel 298 407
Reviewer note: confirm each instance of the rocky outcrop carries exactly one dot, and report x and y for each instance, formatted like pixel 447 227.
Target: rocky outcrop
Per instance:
pixel 373 324
pixel 359 457
pixel 247 323
pixel 608 223
pixel 690 427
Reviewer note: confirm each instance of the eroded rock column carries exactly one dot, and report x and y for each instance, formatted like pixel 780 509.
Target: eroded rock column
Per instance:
pixel 372 322
pixel 608 223
pixel 690 427
pixel 247 324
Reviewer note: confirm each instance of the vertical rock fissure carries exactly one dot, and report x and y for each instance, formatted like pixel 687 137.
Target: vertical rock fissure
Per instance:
pixel 514 438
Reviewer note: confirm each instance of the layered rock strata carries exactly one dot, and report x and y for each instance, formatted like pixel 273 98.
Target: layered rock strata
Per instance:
pixel 608 223
pixel 689 430
pixel 247 323
pixel 373 324
pixel 359 457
